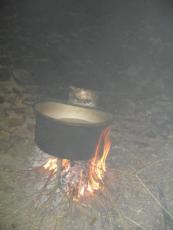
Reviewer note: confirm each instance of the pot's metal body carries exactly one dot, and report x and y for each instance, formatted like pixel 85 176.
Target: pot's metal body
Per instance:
pixel 68 131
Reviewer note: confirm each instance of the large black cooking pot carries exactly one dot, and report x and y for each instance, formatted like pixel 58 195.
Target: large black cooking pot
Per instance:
pixel 69 131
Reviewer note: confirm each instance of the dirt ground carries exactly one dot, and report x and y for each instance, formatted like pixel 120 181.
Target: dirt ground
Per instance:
pixel 122 49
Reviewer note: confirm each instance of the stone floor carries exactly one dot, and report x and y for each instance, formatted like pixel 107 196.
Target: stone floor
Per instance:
pixel 122 49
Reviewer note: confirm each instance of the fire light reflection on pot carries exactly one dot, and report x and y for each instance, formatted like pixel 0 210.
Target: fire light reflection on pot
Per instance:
pixel 90 179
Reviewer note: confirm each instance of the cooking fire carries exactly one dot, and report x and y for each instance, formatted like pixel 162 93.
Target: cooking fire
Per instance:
pixel 82 179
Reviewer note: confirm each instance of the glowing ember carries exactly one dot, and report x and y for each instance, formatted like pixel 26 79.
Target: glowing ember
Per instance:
pixel 79 180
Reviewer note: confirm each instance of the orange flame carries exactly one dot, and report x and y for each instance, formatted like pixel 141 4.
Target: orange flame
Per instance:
pixel 65 164
pixel 97 166
pixel 51 165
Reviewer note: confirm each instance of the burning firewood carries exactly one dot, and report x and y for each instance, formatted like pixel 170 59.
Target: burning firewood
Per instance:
pixel 81 179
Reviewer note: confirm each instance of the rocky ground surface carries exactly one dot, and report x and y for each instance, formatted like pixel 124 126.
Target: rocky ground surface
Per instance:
pixel 124 55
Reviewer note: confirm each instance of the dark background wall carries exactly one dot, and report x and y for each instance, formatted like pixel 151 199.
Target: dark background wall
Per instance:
pixel 93 44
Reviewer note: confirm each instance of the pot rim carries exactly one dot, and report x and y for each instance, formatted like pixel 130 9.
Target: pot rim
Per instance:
pixel 107 122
